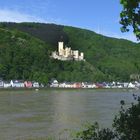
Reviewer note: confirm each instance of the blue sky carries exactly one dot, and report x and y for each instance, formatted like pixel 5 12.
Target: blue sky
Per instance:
pixel 101 16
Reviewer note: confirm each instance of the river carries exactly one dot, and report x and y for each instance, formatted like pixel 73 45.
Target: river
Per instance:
pixel 30 114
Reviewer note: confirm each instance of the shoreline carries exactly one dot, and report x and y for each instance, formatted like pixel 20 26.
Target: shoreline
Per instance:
pixel 48 88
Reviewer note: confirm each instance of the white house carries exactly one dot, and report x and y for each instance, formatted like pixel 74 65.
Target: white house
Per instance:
pixel 7 84
pixel 62 85
pixel 17 83
pixel 88 85
pixel 137 84
pixel 125 85
pixel 35 84
pixel 1 83
pixel 130 85
pixel 54 83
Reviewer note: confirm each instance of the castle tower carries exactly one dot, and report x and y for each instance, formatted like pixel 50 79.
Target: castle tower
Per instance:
pixel 76 54
pixel 60 48
pixel 81 56
pixel 67 52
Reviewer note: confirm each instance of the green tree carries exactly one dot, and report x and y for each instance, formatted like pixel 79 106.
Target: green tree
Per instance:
pixel 126 125
pixel 93 132
pixel 130 16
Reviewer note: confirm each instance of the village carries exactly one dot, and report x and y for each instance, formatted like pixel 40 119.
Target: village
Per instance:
pixel 19 84
pixel 75 85
pixel 108 85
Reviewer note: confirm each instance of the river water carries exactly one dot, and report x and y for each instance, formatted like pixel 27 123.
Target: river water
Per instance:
pixel 30 114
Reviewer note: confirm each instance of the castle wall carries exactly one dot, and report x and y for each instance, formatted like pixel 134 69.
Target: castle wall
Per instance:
pixel 65 54
pixel 76 54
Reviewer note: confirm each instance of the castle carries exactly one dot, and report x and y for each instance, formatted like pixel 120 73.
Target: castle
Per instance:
pixel 66 53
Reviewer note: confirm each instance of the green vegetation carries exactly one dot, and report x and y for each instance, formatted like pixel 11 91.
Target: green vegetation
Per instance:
pixel 22 56
pixel 25 57
pixel 125 127
pixel 130 16
pixel 25 49
pixel 116 58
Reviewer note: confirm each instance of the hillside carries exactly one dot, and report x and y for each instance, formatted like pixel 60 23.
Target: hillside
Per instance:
pixel 25 57
pixel 107 58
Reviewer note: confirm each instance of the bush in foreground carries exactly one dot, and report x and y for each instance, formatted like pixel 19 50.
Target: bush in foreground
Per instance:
pixel 126 125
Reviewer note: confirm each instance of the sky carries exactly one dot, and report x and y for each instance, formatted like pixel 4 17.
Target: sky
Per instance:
pixel 101 16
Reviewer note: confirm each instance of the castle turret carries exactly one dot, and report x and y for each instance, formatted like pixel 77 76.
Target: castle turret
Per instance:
pixel 81 56
pixel 60 48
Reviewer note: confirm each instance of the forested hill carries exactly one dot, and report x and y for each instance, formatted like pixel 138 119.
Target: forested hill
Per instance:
pixel 107 58
pixel 49 33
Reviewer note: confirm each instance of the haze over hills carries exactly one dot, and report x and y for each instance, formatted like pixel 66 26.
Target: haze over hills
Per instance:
pixel 25 49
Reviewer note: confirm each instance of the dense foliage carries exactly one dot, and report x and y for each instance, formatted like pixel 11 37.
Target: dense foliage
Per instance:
pixel 22 56
pixel 130 16
pixel 125 127
pixel 49 33
pixel 26 47
pixel 116 58
pixel 127 123
pixel 25 57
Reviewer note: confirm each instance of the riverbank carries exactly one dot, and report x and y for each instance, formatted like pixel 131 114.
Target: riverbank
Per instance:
pixel 67 89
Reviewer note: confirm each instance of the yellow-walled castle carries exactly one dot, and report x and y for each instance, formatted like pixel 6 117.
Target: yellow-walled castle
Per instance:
pixel 67 53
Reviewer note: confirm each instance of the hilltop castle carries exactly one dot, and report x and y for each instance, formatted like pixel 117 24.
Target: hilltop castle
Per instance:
pixel 66 53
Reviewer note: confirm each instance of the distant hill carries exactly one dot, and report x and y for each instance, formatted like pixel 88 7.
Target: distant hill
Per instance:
pixel 23 56
pixel 49 33
pixel 107 59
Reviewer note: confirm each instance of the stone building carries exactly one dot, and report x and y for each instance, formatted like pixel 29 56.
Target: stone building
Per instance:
pixel 66 53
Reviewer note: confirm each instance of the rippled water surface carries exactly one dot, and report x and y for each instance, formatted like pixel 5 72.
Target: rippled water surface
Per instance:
pixel 38 114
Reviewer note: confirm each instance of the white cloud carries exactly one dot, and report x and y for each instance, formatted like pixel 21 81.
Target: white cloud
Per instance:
pixel 129 35
pixel 7 15
pixel 15 16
